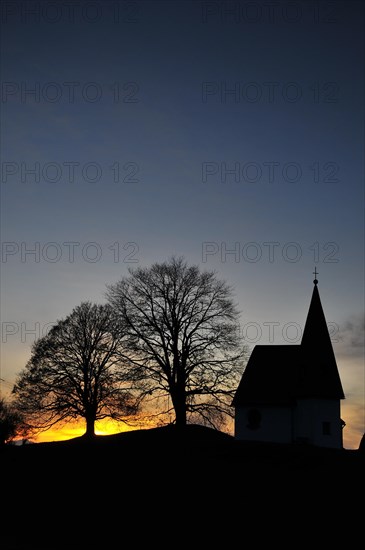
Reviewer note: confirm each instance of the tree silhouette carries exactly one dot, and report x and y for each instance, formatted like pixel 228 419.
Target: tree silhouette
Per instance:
pixel 72 372
pixel 181 327
pixel 11 421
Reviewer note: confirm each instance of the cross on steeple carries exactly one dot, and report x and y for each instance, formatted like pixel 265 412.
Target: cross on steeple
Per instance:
pixel 315 273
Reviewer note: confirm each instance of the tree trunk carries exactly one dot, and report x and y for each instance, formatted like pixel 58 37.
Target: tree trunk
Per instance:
pixel 180 412
pixel 179 403
pixel 179 396
pixel 90 426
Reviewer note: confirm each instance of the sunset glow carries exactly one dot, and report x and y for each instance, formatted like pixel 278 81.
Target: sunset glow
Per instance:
pixel 77 429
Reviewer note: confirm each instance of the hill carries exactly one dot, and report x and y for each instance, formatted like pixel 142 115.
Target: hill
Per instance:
pixel 165 482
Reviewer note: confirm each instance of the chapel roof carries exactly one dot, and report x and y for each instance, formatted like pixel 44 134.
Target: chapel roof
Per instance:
pixel 281 374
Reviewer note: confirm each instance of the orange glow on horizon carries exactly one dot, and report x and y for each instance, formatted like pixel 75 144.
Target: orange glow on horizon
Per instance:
pixel 77 429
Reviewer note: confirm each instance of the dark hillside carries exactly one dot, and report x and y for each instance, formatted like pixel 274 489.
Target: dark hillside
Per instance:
pixel 168 479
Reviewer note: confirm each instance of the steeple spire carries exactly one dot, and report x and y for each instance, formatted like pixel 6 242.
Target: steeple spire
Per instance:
pixel 315 273
pixel 322 373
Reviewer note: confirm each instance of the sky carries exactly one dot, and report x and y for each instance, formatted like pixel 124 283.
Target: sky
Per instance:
pixel 227 132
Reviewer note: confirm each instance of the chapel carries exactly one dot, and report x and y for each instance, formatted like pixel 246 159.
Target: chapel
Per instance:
pixel 292 393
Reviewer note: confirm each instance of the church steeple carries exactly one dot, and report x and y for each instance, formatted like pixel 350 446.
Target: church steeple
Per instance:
pixel 315 329
pixel 322 378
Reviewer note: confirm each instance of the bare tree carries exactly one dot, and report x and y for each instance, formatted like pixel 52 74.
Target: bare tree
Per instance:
pixel 72 372
pixel 183 342
pixel 11 422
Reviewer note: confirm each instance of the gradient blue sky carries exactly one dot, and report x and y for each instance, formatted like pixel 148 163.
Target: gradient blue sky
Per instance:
pixel 133 129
